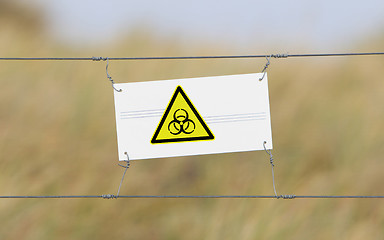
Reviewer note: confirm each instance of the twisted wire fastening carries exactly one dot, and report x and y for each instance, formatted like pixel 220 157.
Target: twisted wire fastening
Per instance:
pixel 287 196
pixel 266 66
pixel 125 171
pixel 284 55
pixel 272 165
pixel 108 196
pixel 109 76
pixel 99 59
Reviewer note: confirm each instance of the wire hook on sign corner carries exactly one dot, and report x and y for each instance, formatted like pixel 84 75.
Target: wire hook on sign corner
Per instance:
pixel 272 165
pixel 111 196
pixel 128 161
pixel 273 175
pixel 125 171
pixel 109 76
pixel 265 67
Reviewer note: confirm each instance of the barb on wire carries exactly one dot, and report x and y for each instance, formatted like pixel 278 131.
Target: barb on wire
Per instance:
pixel 99 59
pixel 109 196
pixel 109 76
pixel 284 55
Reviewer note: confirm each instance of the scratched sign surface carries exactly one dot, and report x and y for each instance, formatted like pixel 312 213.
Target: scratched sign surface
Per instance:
pixel 192 116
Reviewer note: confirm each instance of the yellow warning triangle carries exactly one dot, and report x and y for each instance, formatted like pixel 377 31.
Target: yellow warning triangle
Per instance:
pixel 181 122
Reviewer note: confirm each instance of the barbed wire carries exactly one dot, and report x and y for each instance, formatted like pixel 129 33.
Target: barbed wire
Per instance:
pixel 285 55
pixel 110 196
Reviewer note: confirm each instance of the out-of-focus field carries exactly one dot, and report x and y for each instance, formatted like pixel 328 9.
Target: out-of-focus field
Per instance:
pixel 57 137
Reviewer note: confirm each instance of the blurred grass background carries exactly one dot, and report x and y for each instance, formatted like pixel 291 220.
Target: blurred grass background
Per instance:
pixel 57 137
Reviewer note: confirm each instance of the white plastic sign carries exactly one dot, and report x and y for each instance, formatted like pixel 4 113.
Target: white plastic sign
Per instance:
pixel 192 116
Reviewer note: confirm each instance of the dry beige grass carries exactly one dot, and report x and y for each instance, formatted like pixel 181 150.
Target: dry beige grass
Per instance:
pixel 57 136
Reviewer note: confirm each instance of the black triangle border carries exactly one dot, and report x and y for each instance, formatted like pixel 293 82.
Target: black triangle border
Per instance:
pixel 184 139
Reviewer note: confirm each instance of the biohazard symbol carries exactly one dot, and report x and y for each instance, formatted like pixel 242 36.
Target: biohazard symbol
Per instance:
pixel 181 122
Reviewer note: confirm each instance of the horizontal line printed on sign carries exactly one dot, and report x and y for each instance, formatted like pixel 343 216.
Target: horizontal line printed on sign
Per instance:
pixel 141 114
pixel 235 117
pixel 140 111
pixel 235 120
pixel 208 119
